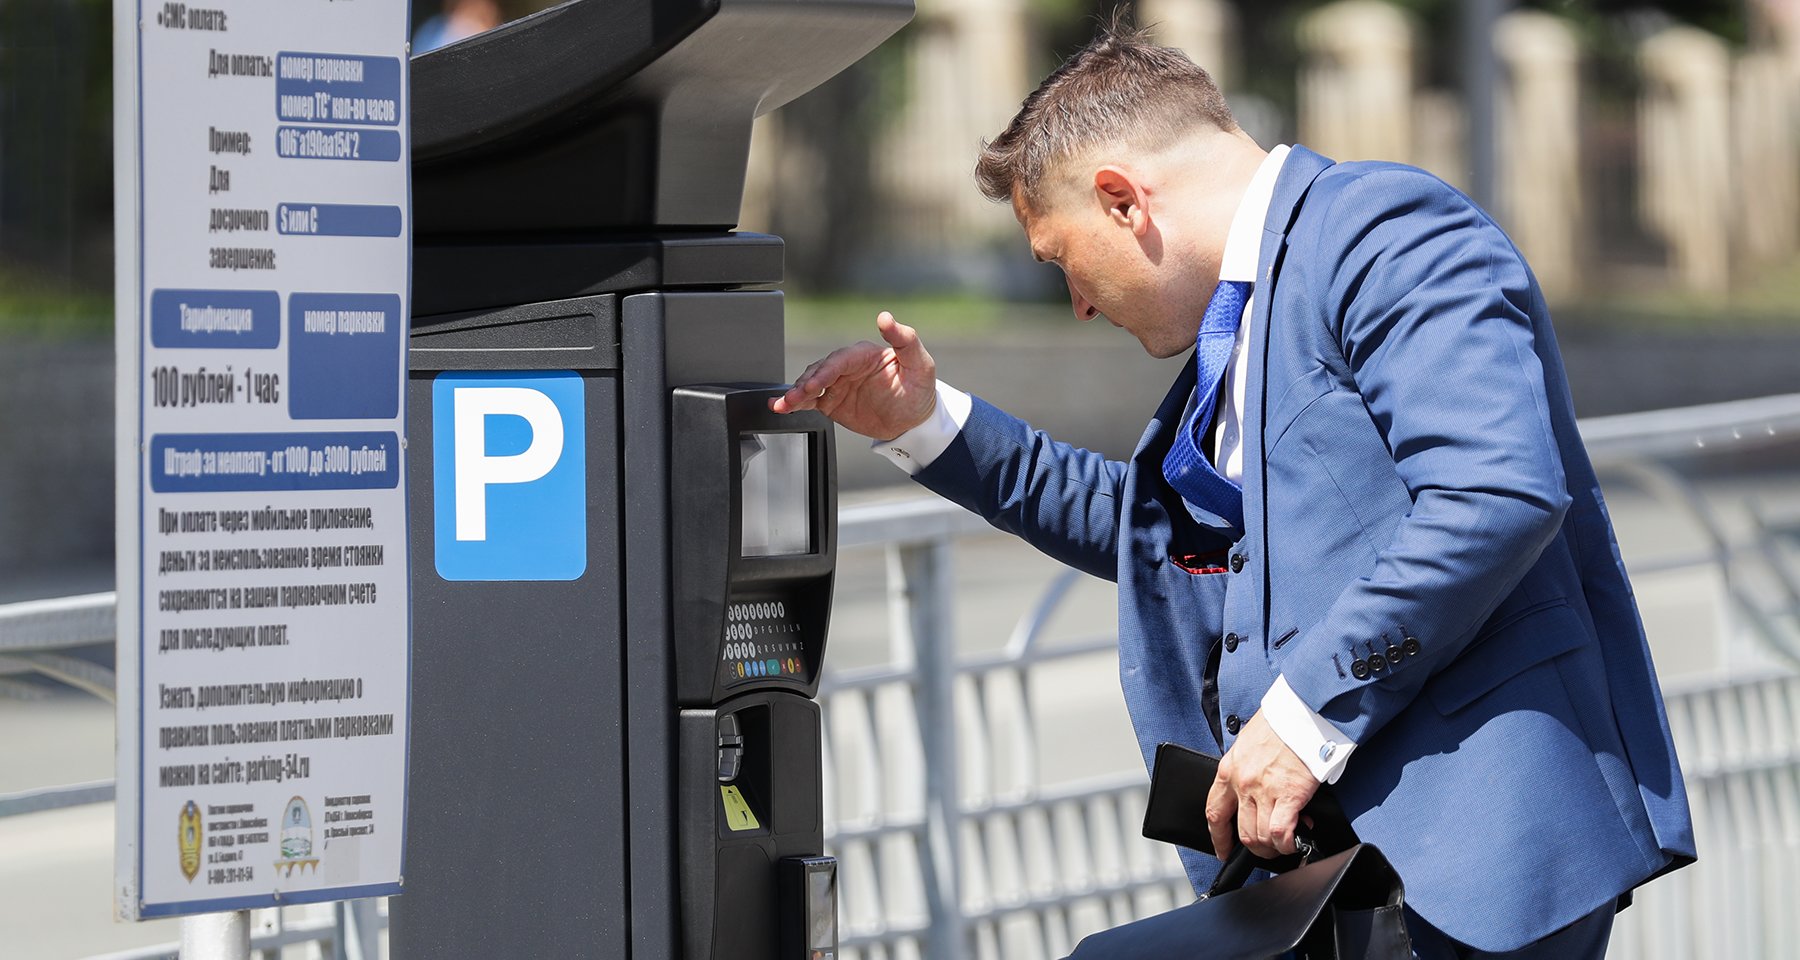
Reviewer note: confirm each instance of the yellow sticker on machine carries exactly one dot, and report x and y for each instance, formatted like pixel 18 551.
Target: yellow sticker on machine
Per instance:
pixel 737 810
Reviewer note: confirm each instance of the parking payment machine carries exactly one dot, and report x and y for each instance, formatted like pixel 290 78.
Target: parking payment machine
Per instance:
pixel 750 635
pixel 622 560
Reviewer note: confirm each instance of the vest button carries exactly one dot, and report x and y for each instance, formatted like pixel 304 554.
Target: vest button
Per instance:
pixel 1237 563
pixel 1231 642
pixel 1233 724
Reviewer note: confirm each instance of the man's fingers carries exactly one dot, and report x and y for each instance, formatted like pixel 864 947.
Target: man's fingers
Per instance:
pixel 820 375
pixel 1251 818
pixel 875 388
pixel 1283 821
pixel 847 367
pixel 1221 806
pixel 904 339
pixel 795 400
pixel 789 402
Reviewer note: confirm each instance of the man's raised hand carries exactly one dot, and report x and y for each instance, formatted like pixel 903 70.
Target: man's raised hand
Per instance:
pixel 878 390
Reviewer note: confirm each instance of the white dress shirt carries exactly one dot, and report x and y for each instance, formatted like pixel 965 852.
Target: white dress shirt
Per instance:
pixel 1320 745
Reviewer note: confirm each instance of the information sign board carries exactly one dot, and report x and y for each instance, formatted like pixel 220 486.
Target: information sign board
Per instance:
pixel 264 257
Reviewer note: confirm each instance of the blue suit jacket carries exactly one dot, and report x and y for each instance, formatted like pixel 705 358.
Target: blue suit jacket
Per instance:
pixel 1412 470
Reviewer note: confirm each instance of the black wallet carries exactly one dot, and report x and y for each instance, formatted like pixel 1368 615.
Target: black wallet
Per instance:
pixel 1176 812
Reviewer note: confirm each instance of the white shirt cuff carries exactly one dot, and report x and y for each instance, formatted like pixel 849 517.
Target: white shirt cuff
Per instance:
pixel 1323 749
pixel 915 449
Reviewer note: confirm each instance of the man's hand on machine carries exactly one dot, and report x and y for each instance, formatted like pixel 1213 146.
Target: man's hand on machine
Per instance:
pixel 1264 785
pixel 878 390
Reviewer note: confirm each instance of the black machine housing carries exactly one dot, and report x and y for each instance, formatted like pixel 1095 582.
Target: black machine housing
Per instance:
pixel 576 177
pixel 619 114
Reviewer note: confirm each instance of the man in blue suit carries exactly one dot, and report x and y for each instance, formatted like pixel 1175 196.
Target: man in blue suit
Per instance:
pixel 1360 541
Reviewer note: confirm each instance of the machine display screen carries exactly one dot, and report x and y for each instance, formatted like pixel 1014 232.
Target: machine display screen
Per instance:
pixel 775 494
pixel 821 910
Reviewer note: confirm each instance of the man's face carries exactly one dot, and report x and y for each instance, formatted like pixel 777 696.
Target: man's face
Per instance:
pixel 1115 271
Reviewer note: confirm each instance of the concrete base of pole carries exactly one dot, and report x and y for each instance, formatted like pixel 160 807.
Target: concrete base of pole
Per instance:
pixel 216 936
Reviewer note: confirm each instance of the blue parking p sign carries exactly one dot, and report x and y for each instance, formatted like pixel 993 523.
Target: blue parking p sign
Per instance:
pixel 509 468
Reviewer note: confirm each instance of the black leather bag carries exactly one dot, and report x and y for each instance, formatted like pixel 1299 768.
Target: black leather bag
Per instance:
pixel 1336 900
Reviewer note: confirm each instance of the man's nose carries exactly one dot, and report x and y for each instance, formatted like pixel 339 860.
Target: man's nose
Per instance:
pixel 1084 311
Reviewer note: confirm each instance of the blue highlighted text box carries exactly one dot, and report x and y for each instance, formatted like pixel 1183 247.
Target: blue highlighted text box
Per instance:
pixel 242 462
pixel 211 319
pixel 332 143
pixel 344 356
pixel 337 220
pixel 337 88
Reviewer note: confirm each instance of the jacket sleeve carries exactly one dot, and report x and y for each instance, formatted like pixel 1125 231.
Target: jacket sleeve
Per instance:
pixel 1432 307
pixel 1061 499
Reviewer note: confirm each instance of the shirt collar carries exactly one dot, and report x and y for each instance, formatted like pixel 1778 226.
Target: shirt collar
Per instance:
pixel 1243 245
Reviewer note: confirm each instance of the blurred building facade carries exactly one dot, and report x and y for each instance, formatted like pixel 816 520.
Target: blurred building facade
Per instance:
pixel 1633 145
pixel 1630 149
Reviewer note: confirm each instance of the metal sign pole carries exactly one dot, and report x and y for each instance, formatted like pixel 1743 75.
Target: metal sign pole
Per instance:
pixel 216 936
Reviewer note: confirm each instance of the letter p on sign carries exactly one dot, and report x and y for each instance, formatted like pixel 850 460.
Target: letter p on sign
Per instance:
pixel 475 469
pixel 509 470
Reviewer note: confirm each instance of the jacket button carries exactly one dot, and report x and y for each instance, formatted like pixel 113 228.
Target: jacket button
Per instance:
pixel 1377 663
pixel 1410 647
pixel 1231 642
pixel 1233 724
pixel 1237 563
pixel 1394 653
pixel 1359 668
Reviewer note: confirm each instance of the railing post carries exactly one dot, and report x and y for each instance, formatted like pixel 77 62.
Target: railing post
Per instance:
pixel 216 936
pixel 920 593
pixel 365 928
pixel 340 932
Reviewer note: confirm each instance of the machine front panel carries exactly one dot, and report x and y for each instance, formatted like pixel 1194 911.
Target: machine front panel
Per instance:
pixel 514 680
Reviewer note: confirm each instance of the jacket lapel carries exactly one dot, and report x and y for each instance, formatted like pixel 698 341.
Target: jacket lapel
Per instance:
pixel 1161 430
pixel 1297 175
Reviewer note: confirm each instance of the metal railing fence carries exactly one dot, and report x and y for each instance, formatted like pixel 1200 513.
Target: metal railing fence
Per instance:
pixel 956 846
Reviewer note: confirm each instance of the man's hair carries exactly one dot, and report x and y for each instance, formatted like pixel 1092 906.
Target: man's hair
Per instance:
pixel 1121 88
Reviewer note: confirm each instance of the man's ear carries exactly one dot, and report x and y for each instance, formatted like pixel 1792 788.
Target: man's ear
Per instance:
pixel 1123 196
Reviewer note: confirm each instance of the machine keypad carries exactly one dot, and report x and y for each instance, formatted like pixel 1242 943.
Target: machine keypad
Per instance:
pixel 762 641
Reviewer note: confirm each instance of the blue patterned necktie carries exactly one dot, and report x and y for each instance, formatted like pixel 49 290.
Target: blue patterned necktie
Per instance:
pixel 1186 467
